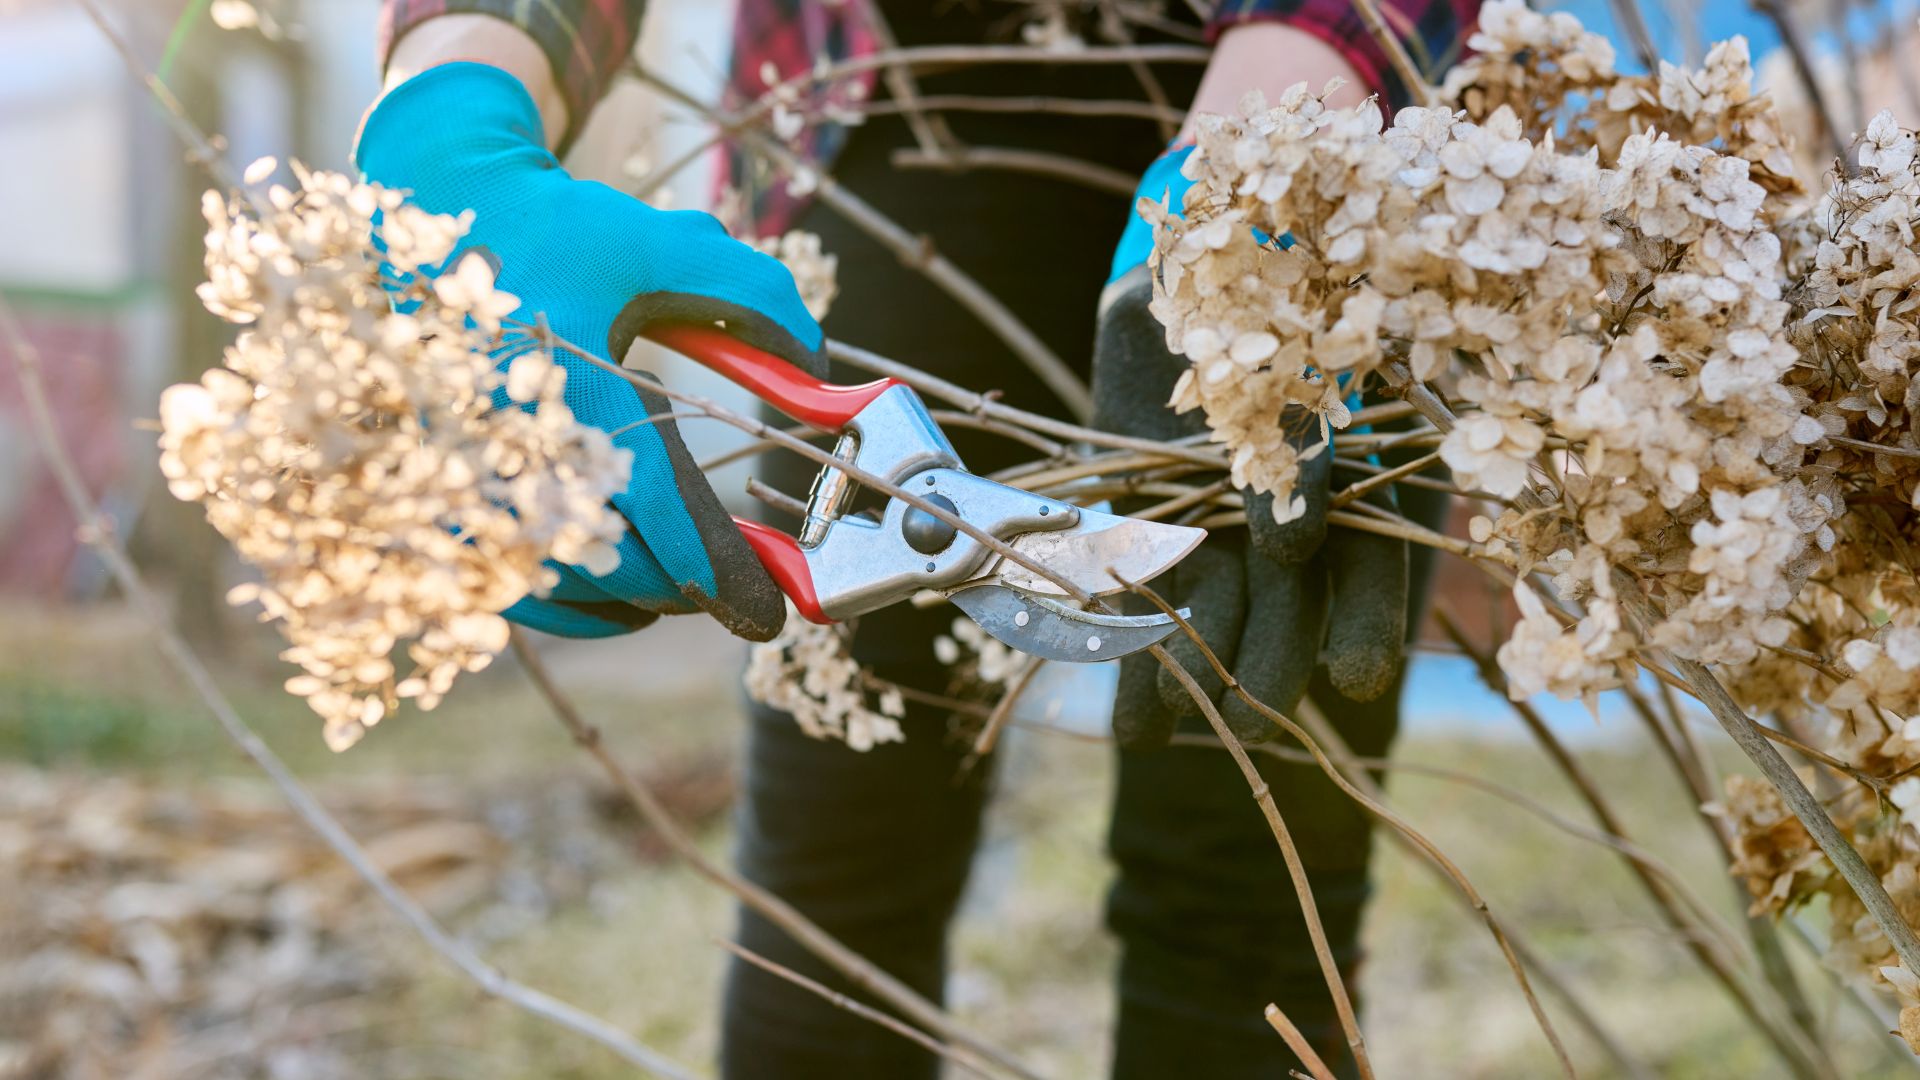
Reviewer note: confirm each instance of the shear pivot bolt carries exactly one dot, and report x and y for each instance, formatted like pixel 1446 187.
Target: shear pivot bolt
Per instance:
pixel 925 533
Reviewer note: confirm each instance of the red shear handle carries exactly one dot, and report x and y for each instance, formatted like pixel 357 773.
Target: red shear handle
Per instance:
pixel 825 405
pixel 780 554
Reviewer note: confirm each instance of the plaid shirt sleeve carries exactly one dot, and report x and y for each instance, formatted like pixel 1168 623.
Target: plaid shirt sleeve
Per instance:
pixel 1434 31
pixel 586 41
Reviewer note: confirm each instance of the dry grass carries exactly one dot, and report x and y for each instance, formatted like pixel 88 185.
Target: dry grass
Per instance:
pixel 1032 961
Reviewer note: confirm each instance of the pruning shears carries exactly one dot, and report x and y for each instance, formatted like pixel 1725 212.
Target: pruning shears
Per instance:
pixel 846 564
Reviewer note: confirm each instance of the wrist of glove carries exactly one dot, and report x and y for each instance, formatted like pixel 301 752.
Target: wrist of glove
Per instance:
pixel 601 267
pixel 1274 601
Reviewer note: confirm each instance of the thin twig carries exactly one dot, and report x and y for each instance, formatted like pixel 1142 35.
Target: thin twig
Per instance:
pixel 1802 1060
pixel 1795 41
pixel 989 405
pixel 983 743
pixel 1142 73
pixel 775 498
pixel 1296 869
pixel 1515 946
pixel 1418 91
pixel 916 252
pixel 1372 805
pixel 930 132
pixel 1036 162
pixel 857 969
pixel 1027 105
pixel 860 1009
pixel 1360 489
pixel 97 532
pixel 1677 746
pixel 1297 1043
pixel 199 147
pixel 1628 17
pixel 1746 734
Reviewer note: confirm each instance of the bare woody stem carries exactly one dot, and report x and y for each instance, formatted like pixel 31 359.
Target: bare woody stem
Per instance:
pixel 1329 968
pixel 1796 1052
pixel 96 530
pixel 858 1008
pixel 1746 734
pixel 1416 83
pixel 1353 769
pixel 915 252
pixel 1628 16
pixel 857 969
pixel 1296 869
pixel 1297 1043
pixel 1795 41
pixel 1374 806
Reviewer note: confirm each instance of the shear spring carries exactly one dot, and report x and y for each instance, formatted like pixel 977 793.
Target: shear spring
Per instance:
pixel 827 499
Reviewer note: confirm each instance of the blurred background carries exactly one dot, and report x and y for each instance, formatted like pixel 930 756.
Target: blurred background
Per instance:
pixel 162 915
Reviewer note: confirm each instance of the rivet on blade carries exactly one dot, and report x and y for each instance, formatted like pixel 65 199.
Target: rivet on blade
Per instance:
pixel 1019 618
pixel 1093 644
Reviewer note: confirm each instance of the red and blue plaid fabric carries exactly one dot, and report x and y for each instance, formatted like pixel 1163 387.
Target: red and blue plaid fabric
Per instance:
pixel 586 41
pixel 1434 32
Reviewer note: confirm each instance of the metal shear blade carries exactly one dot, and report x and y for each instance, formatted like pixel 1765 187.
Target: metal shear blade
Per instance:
pixel 1051 630
pixel 1096 549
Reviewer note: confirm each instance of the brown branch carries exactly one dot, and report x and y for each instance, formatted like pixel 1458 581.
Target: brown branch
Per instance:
pixel 1802 1060
pixel 1396 50
pixel 1297 870
pixel 1009 159
pixel 989 405
pixel 860 1009
pixel 930 133
pixel 1297 1043
pixel 1795 41
pixel 1746 734
pixel 1385 476
pixel 1373 806
pixel 776 498
pixel 1629 18
pixel 1681 753
pixel 1062 106
pixel 1142 73
pixel 1515 946
pixel 200 149
pixel 916 252
pixel 983 743
pixel 97 532
pixel 857 969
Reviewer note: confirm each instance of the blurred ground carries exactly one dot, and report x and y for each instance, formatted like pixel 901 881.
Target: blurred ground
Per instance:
pixel 121 811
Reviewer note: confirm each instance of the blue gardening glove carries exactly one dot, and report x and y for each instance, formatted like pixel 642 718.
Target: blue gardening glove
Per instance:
pixel 1273 601
pixel 601 266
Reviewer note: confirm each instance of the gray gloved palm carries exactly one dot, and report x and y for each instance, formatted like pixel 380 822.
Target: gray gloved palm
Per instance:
pixel 1273 601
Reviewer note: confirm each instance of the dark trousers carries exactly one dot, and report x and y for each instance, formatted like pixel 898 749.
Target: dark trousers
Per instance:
pixel 876 846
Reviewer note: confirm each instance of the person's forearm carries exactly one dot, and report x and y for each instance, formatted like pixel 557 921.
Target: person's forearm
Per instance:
pixel 486 40
pixel 1269 57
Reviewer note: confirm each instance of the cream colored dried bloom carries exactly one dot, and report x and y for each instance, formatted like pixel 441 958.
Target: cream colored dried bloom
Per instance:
pixel 1772 850
pixel 806 671
pixel 813 269
pixel 372 465
pixel 1685 379
pixel 989 661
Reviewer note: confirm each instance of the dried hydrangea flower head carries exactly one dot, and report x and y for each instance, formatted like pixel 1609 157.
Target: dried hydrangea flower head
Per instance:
pixel 980 657
pixel 1672 367
pixel 359 448
pixel 807 672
